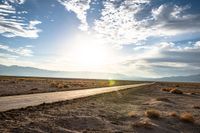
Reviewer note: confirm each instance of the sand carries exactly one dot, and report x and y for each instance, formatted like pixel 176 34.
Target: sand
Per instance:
pixel 122 111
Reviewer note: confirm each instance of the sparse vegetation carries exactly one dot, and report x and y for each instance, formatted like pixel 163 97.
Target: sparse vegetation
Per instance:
pixel 152 113
pixel 177 85
pixel 166 89
pixel 13 82
pixel 132 114
pixel 25 85
pixel 60 85
pixel 173 114
pixel 66 86
pixel 34 89
pixel 53 84
pixel 186 117
pixel 172 90
pixel 164 99
pixel 190 93
pixel 176 91
pixel 143 124
pixel 92 114
pixel 196 107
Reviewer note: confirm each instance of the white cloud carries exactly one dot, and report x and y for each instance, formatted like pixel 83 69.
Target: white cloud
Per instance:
pixel 166 59
pixel 20 51
pixel 16 1
pixel 12 24
pixel 7 56
pixel 171 20
pixel 119 23
pixel 197 44
pixel 79 7
pixel 15 61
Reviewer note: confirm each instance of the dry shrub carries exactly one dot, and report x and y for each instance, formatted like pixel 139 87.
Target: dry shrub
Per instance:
pixel 166 89
pixel 152 113
pixel 186 117
pixel 66 86
pixel 13 82
pixel 176 91
pixel 53 84
pixel 177 85
pixel 144 124
pixel 34 89
pixel 196 107
pixel 60 86
pixel 132 114
pixel 172 90
pixel 21 79
pixel 190 93
pixel 173 114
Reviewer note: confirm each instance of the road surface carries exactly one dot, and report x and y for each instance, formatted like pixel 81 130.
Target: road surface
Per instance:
pixel 22 101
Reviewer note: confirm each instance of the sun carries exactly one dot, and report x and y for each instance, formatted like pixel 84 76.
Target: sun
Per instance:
pixel 87 51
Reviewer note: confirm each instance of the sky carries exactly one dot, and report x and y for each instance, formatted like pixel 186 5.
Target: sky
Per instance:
pixel 141 38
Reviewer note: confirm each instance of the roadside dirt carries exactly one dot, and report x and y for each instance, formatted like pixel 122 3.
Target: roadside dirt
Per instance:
pixel 21 85
pixel 122 111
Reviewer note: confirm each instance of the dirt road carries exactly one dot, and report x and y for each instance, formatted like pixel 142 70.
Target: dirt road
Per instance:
pixel 22 101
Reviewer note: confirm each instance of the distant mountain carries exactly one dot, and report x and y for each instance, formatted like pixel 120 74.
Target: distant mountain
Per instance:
pixel 190 78
pixel 31 71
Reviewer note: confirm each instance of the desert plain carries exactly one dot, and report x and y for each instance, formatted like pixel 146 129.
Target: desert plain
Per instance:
pixel 163 107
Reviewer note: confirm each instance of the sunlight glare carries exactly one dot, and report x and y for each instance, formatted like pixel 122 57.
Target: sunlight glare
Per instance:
pixel 89 52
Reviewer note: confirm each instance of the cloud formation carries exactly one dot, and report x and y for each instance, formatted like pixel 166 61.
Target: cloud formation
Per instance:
pixel 79 7
pixel 20 51
pixel 15 1
pixel 166 58
pixel 119 23
pixel 173 20
pixel 13 25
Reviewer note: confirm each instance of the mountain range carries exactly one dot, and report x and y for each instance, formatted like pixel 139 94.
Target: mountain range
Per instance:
pixel 35 72
pixel 189 78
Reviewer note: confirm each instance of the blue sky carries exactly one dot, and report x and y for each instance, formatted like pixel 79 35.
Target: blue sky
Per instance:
pixel 142 38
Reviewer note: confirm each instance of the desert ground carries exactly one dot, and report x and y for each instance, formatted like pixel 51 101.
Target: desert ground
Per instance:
pixel 28 85
pixel 159 108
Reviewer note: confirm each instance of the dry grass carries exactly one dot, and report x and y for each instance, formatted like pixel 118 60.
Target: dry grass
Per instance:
pixel 152 113
pixel 60 86
pixel 196 107
pixel 13 82
pixel 53 84
pixel 143 124
pixel 132 114
pixel 172 90
pixel 66 86
pixel 10 85
pixel 190 93
pixel 176 91
pixel 173 114
pixel 177 85
pixel 57 85
pixel 186 117
pixel 34 89
pixel 167 89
